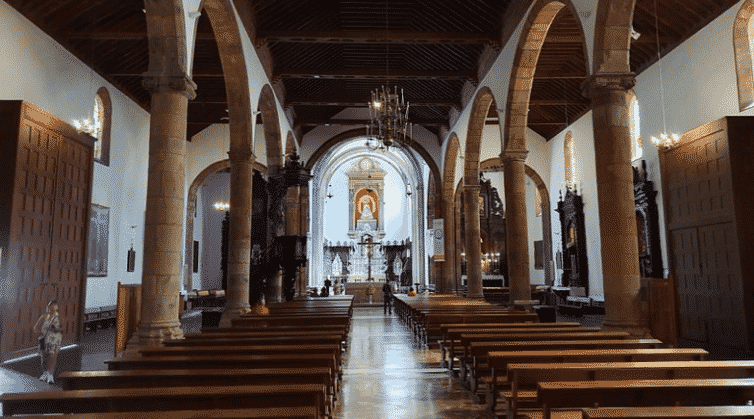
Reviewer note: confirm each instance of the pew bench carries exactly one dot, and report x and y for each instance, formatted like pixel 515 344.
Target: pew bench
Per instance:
pixel 455 329
pixel 675 412
pixel 643 393
pixel 429 329
pixel 165 399
pixel 301 412
pixel 499 362
pixel 526 376
pixel 94 380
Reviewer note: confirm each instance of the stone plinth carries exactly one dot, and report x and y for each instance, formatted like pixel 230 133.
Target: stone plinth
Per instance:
pixel 357 290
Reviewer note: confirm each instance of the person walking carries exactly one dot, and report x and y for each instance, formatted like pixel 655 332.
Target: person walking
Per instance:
pixel 50 336
pixel 387 298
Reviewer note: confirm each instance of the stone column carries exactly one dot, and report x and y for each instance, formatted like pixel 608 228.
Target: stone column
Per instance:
pixel 302 281
pixel 163 235
pixel 239 240
pixel 449 269
pixel 615 197
pixel 458 254
pixel 517 235
pixel 473 245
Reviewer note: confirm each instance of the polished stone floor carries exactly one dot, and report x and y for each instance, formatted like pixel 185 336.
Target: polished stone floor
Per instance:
pixel 385 376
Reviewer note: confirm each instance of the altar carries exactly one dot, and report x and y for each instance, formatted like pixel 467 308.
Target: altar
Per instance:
pixel 357 289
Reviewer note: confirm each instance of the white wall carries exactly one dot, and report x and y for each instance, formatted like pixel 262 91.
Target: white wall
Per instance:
pixel 215 188
pixel 36 69
pixel 196 278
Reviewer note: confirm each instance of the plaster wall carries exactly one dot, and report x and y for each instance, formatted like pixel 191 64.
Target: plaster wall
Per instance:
pixel 196 277
pixel 585 176
pixel 215 188
pixel 37 69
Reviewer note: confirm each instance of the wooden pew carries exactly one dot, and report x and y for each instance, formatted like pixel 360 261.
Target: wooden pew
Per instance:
pixel 303 350
pixel 526 376
pixel 467 339
pixel 499 361
pixel 302 412
pixel 429 329
pixel 675 412
pixel 459 338
pixel 638 393
pixel 299 320
pixel 93 380
pixel 457 328
pixel 165 399
pixel 229 361
pixel 479 370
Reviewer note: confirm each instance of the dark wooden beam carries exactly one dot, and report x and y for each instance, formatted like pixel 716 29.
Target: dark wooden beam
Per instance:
pixel 363 122
pixel 362 102
pixel 374 74
pixel 374 37
pixel 119 35
pixel 195 73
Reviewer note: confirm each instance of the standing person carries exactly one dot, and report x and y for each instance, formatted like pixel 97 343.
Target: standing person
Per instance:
pixel 50 336
pixel 387 298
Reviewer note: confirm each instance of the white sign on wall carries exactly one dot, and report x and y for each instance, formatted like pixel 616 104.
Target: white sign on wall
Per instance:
pixel 439 234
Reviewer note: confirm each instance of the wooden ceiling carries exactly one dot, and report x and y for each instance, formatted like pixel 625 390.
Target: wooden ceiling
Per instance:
pixel 328 55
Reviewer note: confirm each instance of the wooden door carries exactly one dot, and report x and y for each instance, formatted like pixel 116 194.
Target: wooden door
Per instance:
pixel 28 287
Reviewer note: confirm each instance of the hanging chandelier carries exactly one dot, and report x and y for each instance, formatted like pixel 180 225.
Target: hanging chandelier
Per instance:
pixel 388 120
pixel 665 140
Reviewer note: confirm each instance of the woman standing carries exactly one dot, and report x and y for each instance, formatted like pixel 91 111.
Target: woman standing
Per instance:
pixel 50 336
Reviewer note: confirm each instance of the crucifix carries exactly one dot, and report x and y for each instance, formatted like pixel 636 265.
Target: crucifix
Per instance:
pixel 368 241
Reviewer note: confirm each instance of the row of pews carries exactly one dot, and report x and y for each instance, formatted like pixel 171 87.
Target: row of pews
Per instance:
pixel 285 364
pixel 522 368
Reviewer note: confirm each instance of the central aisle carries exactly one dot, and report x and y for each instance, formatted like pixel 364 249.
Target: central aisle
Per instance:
pixel 386 377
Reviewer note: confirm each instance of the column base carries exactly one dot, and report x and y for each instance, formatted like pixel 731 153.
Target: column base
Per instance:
pixel 154 334
pixel 231 313
pixel 634 329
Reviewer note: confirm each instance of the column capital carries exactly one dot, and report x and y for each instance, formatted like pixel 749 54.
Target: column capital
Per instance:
pixel 241 156
pixel 166 83
pixel 514 155
pixel 607 81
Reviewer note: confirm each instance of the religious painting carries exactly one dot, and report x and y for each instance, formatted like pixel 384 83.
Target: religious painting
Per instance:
pixel 366 205
pixel 99 226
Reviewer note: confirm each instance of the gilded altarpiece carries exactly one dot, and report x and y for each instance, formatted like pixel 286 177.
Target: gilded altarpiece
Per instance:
pixel 366 185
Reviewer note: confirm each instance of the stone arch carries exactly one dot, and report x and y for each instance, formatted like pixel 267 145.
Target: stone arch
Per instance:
pixel 524 66
pixel 290 144
pixel 223 21
pixel 449 166
pixel 497 165
pixel 191 208
pixel 743 53
pixel 449 271
pixel 479 110
pixel 106 120
pixel 612 43
pixel 347 135
pixel 271 123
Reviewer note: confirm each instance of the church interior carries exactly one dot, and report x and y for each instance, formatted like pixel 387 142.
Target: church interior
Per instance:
pixel 362 209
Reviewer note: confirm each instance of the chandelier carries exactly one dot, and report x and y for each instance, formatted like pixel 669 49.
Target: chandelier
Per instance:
pixel 388 120
pixel 665 140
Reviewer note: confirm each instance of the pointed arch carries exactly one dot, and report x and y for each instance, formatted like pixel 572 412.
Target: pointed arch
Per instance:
pixel 612 43
pixel 103 115
pixel 742 47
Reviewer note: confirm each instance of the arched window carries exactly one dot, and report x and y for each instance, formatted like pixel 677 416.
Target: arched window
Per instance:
pixel 743 45
pixel 634 125
pixel 102 115
pixel 568 156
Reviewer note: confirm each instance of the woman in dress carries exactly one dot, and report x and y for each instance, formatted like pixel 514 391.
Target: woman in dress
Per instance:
pixel 50 336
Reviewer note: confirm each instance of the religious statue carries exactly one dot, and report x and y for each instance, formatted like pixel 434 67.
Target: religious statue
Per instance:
pixel 366 212
pixel 337 266
pixel 50 336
